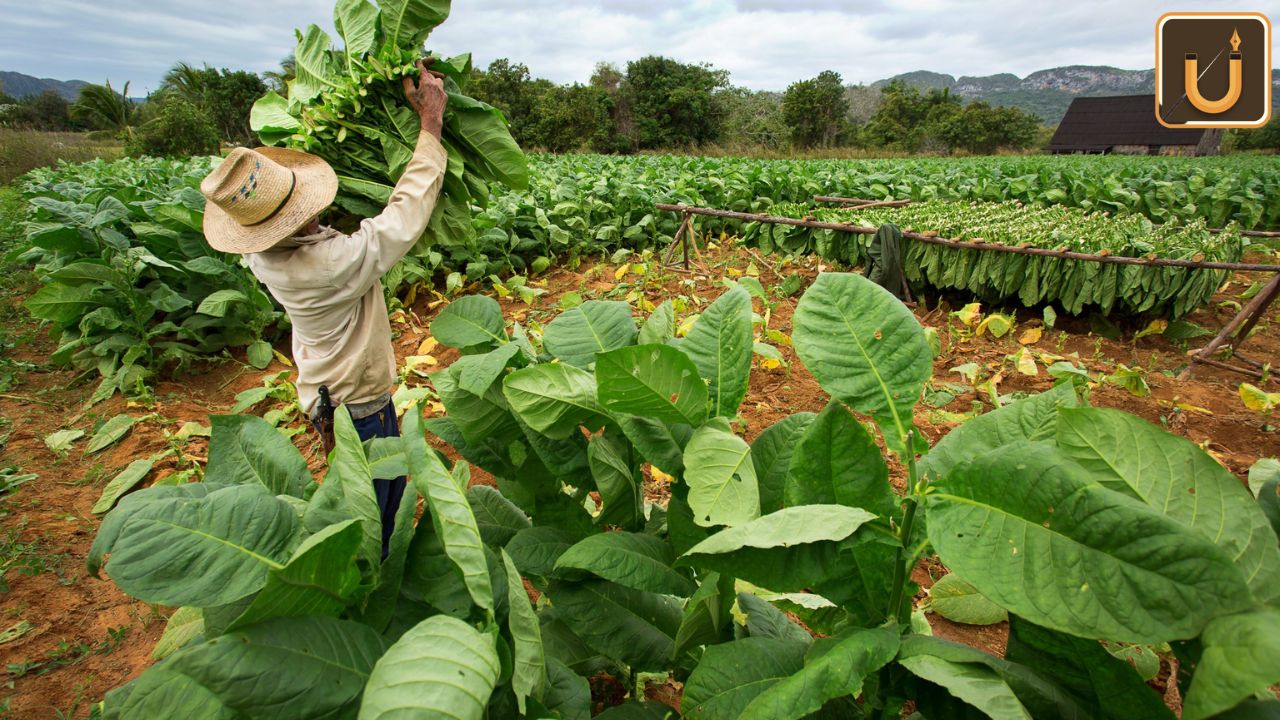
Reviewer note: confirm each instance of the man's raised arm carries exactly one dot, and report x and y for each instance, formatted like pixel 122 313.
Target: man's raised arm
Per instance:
pixel 383 240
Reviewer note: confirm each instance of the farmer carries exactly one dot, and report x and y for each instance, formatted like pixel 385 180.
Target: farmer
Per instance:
pixel 265 204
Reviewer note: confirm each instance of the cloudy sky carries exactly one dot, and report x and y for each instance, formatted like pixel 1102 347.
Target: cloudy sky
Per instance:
pixel 765 44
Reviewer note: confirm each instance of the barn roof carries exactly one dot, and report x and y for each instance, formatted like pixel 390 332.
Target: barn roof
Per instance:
pixel 1095 124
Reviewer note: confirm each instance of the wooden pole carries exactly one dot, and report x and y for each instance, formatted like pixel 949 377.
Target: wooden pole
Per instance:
pixel 983 246
pixel 1242 323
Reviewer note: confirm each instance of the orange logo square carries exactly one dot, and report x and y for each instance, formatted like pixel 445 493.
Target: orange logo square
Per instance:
pixel 1213 70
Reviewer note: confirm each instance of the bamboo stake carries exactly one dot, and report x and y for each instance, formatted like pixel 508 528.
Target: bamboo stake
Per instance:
pixel 992 247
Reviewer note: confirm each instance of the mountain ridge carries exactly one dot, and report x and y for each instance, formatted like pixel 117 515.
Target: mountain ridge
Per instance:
pixel 20 85
pixel 1044 93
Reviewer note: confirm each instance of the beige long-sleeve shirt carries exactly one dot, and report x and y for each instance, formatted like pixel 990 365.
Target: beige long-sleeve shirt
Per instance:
pixel 331 287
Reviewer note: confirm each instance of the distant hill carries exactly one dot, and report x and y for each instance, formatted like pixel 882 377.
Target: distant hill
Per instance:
pixel 18 85
pixel 1044 93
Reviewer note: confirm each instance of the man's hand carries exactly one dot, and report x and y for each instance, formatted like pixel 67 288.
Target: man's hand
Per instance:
pixel 428 98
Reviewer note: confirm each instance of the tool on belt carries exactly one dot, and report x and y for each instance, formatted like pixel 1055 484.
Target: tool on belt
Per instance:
pixel 324 419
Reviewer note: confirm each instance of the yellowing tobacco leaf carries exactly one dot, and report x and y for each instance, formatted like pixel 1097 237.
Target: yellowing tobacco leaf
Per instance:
pixel 1031 336
pixel 1025 362
pixel 1155 327
pixel 1255 398
pixel 686 325
pixel 998 325
pixel 428 346
pixel 969 314
pixel 622 271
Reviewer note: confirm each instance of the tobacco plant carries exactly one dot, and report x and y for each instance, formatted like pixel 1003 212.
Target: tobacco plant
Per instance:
pixel 1082 524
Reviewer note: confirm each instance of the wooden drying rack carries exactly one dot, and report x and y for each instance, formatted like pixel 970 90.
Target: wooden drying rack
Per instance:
pixel 1240 326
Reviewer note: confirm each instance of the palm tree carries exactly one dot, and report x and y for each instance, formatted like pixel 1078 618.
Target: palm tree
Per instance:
pixel 106 108
pixel 278 80
pixel 187 82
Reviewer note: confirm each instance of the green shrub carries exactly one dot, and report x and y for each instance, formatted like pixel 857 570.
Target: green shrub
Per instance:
pixel 178 130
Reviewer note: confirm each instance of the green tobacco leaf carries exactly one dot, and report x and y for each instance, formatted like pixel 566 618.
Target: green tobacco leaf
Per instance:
pixel 62 440
pixel 321 579
pixel 706 615
pixel 443 667
pixel 833 667
pixel 660 444
pixel 660 327
pixel 1121 570
pixel 595 326
pixel 771 455
pixel 1175 477
pixel 301 668
pixel 450 513
pixel 653 381
pixel 270 118
pixel 568 694
pixel 471 322
pixel 1241 657
pixel 554 399
pixel 259 354
pixel 110 433
pixel 61 304
pixel 183 626
pixel 765 620
pixel 246 449
pixel 720 346
pixel 135 473
pixel 618 482
pixel 733 674
pixel 975 684
pixel 497 518
pixel 381 603
pixel 865 348
pixel 313 65
pixel 529 675
pixel 1102 685
pixel 349 473
pixel 357 23
pixel 634 627
pixel 160 692
pixel 785 551
pixel 721 477
pixel 1033 418
pixel 203 552
pixel 476 373
pixel 536 550
pixel 486 134
pixel 956 600
pixel 638 561
pixel 1261 473
pixel 218 303
pixel 406 23
pixel 838 462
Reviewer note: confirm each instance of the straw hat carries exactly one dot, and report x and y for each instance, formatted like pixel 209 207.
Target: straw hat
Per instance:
pixel 256 198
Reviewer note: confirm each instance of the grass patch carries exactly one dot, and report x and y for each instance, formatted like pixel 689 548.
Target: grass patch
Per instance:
pixel 22 151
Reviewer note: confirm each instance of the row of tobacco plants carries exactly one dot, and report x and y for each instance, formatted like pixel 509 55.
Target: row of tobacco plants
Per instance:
pixel 500 603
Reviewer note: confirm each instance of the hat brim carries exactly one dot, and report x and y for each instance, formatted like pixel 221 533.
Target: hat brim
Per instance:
pixel 315 188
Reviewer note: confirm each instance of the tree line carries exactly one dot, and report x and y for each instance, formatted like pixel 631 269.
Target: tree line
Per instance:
pixel 654 103
pixel 657 103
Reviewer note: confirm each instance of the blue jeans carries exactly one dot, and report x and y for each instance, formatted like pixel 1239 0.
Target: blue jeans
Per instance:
pixel 383 424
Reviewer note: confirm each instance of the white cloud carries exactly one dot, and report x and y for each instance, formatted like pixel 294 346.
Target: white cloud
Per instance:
pixel 765 44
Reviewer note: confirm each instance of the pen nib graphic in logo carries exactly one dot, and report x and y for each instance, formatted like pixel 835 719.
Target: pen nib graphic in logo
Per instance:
pixel 1232 89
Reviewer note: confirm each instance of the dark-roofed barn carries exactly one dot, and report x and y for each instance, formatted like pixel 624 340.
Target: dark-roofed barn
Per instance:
pixel 1126 125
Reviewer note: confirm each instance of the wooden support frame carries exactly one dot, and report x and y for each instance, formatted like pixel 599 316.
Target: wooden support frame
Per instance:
pixel 1239 327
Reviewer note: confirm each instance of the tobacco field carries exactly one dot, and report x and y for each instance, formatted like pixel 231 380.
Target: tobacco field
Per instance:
pixel 757 487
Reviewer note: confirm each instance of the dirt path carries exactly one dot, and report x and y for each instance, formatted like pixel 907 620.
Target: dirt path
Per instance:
pixel 78 637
